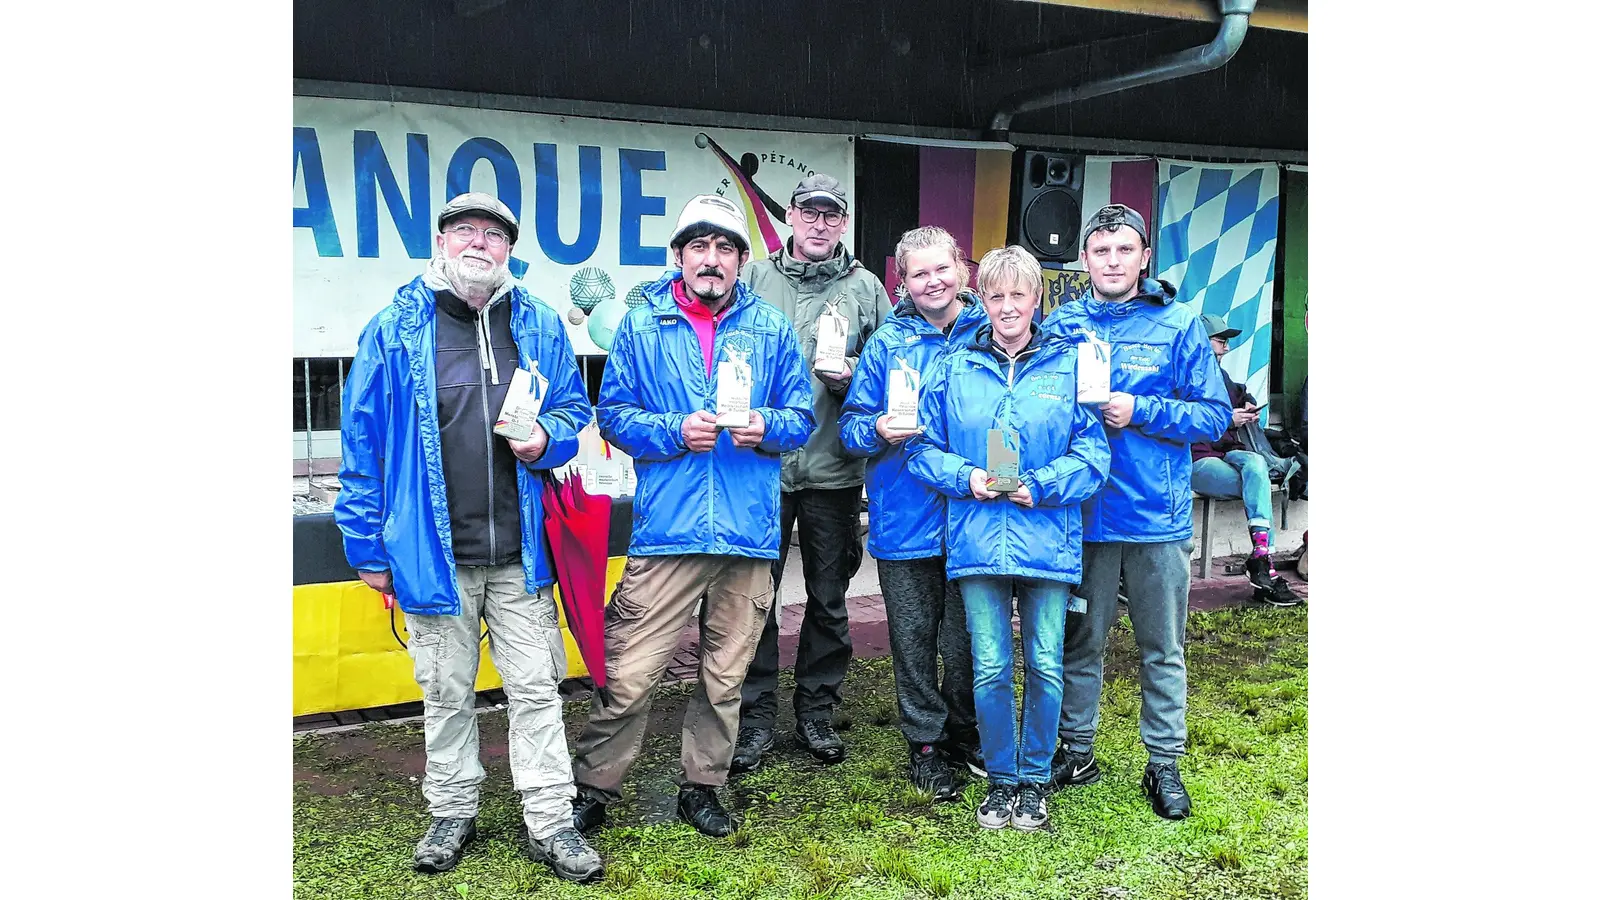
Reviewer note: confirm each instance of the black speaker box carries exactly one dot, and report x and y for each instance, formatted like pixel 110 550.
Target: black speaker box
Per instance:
pixel 1047 204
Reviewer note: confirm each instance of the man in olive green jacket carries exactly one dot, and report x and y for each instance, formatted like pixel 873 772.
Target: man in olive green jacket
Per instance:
pixel 819 286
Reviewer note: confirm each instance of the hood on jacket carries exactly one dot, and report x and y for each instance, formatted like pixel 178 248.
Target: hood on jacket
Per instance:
pixel 1153 291
pixel 434 279
pixel 800 268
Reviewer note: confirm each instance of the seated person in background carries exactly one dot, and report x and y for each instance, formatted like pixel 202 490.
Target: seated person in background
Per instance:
pixel 1228 468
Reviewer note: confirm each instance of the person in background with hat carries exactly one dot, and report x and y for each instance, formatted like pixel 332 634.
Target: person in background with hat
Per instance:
pixel 814 276
pixel 1166 393
pixel 448 517
pixel 705 516
pixel 1230 469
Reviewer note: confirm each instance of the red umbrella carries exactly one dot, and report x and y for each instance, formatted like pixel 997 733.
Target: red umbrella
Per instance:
pixel 578 524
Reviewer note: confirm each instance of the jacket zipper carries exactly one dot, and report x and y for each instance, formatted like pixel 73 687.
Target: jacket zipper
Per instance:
pixel 488 429
pixel 708 395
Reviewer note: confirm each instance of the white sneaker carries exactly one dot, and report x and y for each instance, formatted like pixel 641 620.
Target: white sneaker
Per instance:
pixel 995 810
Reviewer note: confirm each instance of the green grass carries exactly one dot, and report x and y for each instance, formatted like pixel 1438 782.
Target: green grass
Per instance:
pixel 858 829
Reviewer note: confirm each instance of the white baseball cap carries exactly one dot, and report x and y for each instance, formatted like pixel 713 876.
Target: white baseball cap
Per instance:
pixel 710 209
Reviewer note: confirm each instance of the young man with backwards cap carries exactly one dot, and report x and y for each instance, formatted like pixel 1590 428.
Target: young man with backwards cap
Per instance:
pixel 813 275
pixel 705 515
pixel 1166 393
pixel 448 517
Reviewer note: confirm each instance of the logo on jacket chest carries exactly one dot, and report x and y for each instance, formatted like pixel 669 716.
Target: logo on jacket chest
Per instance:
pixel 1136 356
pixel 1048 386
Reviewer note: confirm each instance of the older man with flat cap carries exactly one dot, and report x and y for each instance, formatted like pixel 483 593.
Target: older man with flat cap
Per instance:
pixel 835 304
pixel 445 514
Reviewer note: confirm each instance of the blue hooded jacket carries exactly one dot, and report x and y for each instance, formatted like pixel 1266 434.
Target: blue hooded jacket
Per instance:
pixel 905 516
pixel 1161 355
pixel 392 506
pixel 1063 450
pixel 724 501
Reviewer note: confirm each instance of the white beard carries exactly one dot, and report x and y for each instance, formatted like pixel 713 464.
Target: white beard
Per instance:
pixel 472 284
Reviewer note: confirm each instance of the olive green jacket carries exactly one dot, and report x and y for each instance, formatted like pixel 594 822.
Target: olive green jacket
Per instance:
pixel 802 290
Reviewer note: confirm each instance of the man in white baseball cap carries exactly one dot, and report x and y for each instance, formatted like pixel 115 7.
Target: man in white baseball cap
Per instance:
pixel 705 388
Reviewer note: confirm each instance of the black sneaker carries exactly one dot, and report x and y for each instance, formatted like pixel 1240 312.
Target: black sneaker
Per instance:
pixel 1278 594
pixel 820 740
pixel 754 742
pixel 1259 570
pixel 995 810
pixel 698 805
pixel 588 811
pixel 1028 814
pixel 930 773
pixel 1164 788
pixel 440 849
pixel 1069 769
pixel 568 855
pixel 968 756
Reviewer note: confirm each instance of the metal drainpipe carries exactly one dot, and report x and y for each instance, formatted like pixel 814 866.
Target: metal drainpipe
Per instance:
pixel 1235 21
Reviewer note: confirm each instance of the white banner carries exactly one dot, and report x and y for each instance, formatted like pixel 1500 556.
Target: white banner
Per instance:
pixel 595 200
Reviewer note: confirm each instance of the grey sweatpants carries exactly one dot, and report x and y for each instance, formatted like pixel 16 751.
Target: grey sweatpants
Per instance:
pixel 525 643
pixel 1158 606
pixel 927 621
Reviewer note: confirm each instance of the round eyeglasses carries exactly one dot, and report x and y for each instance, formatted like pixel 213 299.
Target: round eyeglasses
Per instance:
pixel 466 231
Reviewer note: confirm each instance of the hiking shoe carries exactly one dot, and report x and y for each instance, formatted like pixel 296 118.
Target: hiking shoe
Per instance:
pixel 820 740
pixel 1028 814
pixel 1164 788
pixel 995 810
pixel 440 849
pixel 930 773
pixel 1073 769
pixel 754 742
pixel 1278 594
pixel 1259 570
pixel 969 756
pixel 568 855
pixel 588 811
pixel 698 805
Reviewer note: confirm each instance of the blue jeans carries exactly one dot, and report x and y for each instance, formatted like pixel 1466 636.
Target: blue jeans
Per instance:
pixel 1240 475
pixel 1043 606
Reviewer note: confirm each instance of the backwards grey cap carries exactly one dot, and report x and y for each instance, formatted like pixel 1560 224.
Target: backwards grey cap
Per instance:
pixel 1111 217
pixel 819 187
pixel 482 204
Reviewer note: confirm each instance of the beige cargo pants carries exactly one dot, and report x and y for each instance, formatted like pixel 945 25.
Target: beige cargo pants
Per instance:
pixel 652 604
pixel 525 643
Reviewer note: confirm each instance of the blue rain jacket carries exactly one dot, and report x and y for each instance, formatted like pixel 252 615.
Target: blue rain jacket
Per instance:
pixel 391 505
pixel 905 516
pixel 1161 355
pixel 1063 449
pixel 724 501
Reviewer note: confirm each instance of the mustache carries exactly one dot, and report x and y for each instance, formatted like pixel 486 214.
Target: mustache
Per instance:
pixel 710 270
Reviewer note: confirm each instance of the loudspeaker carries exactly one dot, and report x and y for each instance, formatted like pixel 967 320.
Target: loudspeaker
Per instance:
pixel 1046 204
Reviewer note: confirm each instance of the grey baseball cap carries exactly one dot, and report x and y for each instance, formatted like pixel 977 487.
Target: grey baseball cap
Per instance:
pixel 1217 327
pixel 1110 217
pixel 482 204
pixel 819 187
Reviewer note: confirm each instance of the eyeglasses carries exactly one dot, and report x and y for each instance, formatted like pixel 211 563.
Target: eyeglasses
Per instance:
pixel 810 215
pixel 466 231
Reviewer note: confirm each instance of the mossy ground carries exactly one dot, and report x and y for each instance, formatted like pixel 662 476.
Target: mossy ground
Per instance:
pixel 857 829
